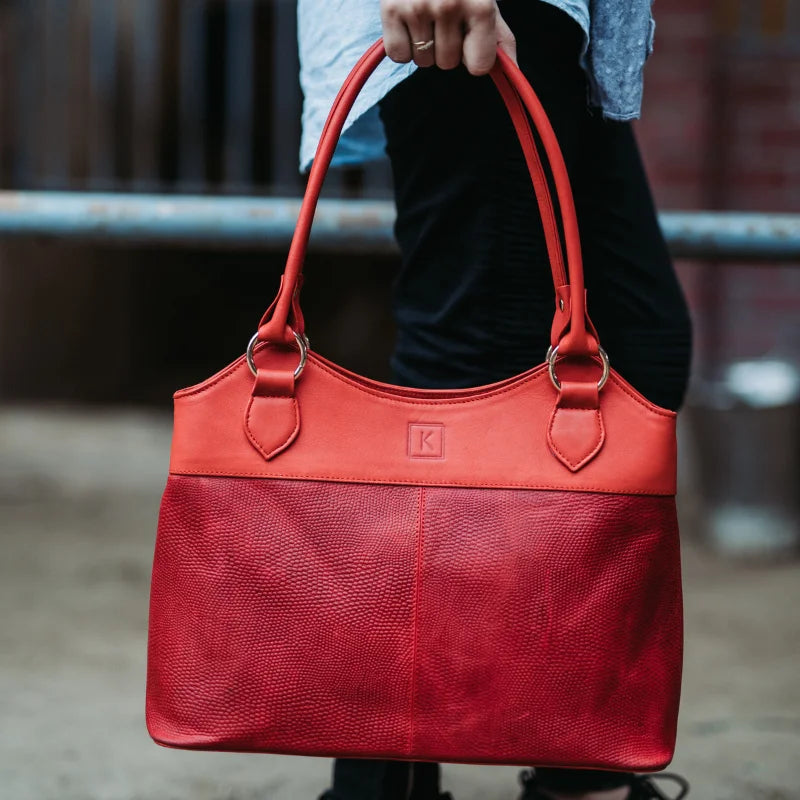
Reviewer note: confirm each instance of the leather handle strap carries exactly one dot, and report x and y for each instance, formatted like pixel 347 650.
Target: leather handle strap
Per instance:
pixel 522 126
pixel 531 153
pixel 574 334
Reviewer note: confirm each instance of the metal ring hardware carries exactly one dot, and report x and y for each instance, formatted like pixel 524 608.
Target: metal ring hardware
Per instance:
pixel 552 354
pixel 302 343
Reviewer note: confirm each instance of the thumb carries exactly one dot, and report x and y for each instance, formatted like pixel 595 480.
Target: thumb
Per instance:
pixel 506 40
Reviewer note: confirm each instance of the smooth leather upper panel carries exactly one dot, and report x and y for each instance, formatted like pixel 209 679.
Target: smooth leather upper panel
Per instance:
pixel 356 430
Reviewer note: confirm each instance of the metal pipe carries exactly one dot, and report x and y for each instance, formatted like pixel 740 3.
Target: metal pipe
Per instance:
pixel 255 223
pixel 341 225
pixel 732 235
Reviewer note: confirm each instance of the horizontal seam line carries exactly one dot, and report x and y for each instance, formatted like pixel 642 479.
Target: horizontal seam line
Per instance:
pixel 400 482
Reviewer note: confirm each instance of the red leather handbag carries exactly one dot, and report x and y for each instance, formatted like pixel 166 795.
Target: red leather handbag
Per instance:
pixel 489 575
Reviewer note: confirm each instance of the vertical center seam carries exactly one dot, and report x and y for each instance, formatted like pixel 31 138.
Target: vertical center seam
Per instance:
pixel 415 612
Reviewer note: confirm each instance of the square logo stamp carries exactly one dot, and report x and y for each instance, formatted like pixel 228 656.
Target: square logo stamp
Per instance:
pixel 426 440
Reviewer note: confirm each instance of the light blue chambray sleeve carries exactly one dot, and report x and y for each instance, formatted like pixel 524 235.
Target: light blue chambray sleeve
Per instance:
pixel 333 35
pixel 620 41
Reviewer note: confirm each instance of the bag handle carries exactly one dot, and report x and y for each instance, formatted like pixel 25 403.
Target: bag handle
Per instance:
pixel 572 332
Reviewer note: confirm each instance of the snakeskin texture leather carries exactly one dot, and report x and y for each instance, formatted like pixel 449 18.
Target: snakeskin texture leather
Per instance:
pixel 488 575
pixel 507 626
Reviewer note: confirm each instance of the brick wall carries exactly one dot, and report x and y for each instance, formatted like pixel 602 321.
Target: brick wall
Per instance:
pixel 5 93
pixel 675 128
pixel 721 130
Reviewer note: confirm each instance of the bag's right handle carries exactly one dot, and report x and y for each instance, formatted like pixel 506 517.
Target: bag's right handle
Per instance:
pixel 519 118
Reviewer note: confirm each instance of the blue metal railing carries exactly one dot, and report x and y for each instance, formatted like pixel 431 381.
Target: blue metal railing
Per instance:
pixel 363 225
pixel 92 85
pixel 115 95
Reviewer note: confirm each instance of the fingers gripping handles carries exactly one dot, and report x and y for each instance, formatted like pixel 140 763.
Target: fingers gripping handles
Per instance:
pixel 572 331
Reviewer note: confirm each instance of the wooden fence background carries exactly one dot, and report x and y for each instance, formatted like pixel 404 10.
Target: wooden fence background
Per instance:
pixel 155 95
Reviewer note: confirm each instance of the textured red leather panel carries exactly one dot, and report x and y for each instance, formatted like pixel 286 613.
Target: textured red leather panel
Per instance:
pixel 562 614
pixel 509 626
pixel 354 429
pixel 278 616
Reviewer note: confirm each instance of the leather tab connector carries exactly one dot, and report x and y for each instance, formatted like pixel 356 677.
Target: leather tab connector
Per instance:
pixel 562 319
pixel 576 432
pixel 272 419
pixel 275 333
pixel 562 314
pixel 271 329
pixel 579 395
pixel 274 383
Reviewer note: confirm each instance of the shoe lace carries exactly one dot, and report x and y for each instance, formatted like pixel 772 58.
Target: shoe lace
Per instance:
pixel 646 789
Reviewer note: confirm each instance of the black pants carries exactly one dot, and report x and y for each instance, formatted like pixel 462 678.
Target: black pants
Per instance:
pixel 474 297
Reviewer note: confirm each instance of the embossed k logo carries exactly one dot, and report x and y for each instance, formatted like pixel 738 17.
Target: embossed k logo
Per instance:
pixel 426 441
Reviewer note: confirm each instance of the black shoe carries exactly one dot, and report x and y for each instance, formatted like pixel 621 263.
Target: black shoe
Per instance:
pixel 642 787
pixel 425 779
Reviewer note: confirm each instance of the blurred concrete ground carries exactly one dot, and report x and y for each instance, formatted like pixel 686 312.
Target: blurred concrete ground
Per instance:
pixel 79 493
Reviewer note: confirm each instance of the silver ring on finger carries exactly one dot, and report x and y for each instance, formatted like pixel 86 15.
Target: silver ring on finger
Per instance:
pixel 423 46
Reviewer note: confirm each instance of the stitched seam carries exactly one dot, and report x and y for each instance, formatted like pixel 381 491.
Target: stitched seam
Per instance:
pixel 538 179
pixel 432 402
pixel 249 432
pixel 280 448
pixel 292 435
pixel 536 375
pixel 541 191
pixel 401 482
pixel 226 372
pixel 600 439
pixel 417 581
pixel 204 387
pixel 190 391
pixel 539 371
pixel 335 120
pixel 654 409
pixel 564 455
pixel 196 390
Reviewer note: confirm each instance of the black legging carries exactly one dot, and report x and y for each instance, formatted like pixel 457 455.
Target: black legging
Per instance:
pixel 474 297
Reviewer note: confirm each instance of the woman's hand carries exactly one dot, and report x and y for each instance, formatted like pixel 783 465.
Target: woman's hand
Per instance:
pixel 446 33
